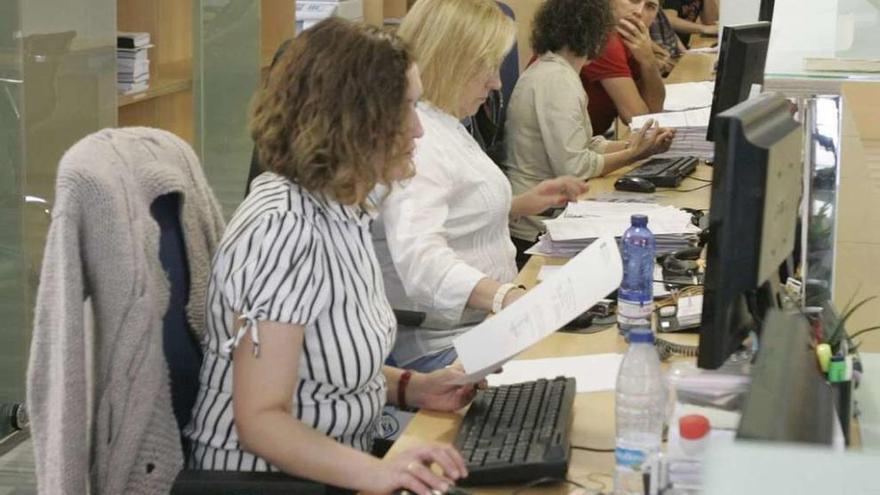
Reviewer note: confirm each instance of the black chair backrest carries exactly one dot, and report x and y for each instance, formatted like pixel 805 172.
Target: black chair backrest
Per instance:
pixel 182 351
pixel 510 65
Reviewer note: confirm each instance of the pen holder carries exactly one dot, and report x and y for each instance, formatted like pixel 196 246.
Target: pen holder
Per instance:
pixel 842 393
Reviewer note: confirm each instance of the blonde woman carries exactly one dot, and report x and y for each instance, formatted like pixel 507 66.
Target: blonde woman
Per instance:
pixel 298 322
pixel 446 251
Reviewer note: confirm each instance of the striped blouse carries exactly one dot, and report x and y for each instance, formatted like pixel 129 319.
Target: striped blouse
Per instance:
pixel 293 257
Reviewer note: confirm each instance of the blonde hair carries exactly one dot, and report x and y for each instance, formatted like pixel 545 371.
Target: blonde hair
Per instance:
pixel 454 41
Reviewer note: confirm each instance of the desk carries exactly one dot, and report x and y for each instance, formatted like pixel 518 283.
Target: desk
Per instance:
pixel 593 412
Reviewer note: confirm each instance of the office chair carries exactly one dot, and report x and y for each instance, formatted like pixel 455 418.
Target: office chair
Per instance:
pixel 154 172
pixel 487 125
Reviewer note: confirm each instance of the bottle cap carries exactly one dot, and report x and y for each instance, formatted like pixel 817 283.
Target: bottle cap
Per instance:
pixel 639 220
pixel 641 336
pixel 693 426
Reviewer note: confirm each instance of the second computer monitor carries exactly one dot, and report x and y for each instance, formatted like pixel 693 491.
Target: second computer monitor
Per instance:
pixel 756 191
pixel 740 66
pixel 765 12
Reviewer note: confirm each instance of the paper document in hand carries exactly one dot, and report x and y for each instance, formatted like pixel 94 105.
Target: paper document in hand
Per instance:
pixel 578 285
pixel 592 372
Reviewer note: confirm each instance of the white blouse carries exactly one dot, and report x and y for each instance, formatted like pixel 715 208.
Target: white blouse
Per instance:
pixel 446 229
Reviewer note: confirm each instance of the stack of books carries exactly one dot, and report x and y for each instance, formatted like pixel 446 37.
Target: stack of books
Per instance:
pixel 132 62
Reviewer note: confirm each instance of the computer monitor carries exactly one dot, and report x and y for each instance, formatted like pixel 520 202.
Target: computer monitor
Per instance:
pixel 740 65
pixel 756 191
pixel 765 12
pixel 789 399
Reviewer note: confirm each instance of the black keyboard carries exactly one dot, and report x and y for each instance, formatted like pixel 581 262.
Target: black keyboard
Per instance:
pixel 665 172
pixel 518 433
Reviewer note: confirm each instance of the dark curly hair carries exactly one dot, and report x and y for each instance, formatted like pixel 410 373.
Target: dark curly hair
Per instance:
pixel 582 26
pixel 333 107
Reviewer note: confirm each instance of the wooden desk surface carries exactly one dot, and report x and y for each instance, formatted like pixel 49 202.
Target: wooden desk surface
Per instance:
pixel 593 412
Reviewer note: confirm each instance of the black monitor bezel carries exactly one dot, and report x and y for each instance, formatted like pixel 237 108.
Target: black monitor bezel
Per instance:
pixel 732 294
pixel 739 43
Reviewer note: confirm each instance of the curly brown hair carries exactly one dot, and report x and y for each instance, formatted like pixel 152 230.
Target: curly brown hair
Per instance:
pixel 333 113
pixel 582 26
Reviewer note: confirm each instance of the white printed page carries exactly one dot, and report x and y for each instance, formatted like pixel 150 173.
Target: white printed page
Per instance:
pixel 578 285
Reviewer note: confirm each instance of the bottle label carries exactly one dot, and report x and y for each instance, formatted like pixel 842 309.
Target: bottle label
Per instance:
pixel 633 313
pixel 631 458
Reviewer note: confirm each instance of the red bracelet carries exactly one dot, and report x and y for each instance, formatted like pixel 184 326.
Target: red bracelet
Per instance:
pixel 401 388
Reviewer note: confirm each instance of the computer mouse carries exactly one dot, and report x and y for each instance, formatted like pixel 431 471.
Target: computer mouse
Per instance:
pixel 634 184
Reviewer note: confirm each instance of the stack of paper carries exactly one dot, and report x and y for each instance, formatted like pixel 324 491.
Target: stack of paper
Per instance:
pixel 132 62
pixel 583 222
pixel 690 137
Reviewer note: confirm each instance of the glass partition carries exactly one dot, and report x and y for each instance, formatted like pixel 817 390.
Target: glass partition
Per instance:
pixel 226 74
pixel 805 30
pixel 57 84
pixel 821 160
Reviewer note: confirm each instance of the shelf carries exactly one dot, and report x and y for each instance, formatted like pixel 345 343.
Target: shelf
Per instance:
pixel 169 78
pixel 160 87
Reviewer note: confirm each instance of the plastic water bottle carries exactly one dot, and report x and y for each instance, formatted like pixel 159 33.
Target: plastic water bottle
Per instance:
pixel 635 297
pixel 640 411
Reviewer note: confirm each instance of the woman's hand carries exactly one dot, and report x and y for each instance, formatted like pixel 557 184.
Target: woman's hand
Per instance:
pixel 547 194
pixel 411 470
pixel 650 140
pixel 438 391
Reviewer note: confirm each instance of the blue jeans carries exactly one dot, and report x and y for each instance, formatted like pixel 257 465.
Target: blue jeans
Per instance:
pixel 433 362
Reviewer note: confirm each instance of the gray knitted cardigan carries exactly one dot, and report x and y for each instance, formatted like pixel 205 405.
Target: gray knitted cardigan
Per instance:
pixel 103 245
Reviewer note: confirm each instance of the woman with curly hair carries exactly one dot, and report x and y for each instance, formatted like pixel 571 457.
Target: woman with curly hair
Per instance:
pixel 548 128
pixel 446 244
pixel 298 322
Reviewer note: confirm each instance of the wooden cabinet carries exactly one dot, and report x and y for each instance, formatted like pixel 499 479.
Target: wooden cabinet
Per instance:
pixel 168 103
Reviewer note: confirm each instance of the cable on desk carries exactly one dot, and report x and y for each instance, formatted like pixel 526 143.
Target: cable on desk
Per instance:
pixel 700 179
pixel 591 449
pixel 689 190
pixel 592 479
pixel 667 349
pixel 676 284
pixel 545 481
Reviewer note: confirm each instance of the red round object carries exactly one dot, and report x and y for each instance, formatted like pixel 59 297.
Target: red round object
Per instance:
pixel 693 426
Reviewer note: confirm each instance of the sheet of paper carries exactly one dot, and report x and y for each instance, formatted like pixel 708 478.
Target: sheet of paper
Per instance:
pixel 547 271
pixel 665 221
pixel 602 208
pixel 689 118
pixel 592 372
pixel 578 285
pixel 705 49
pixel 686 96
